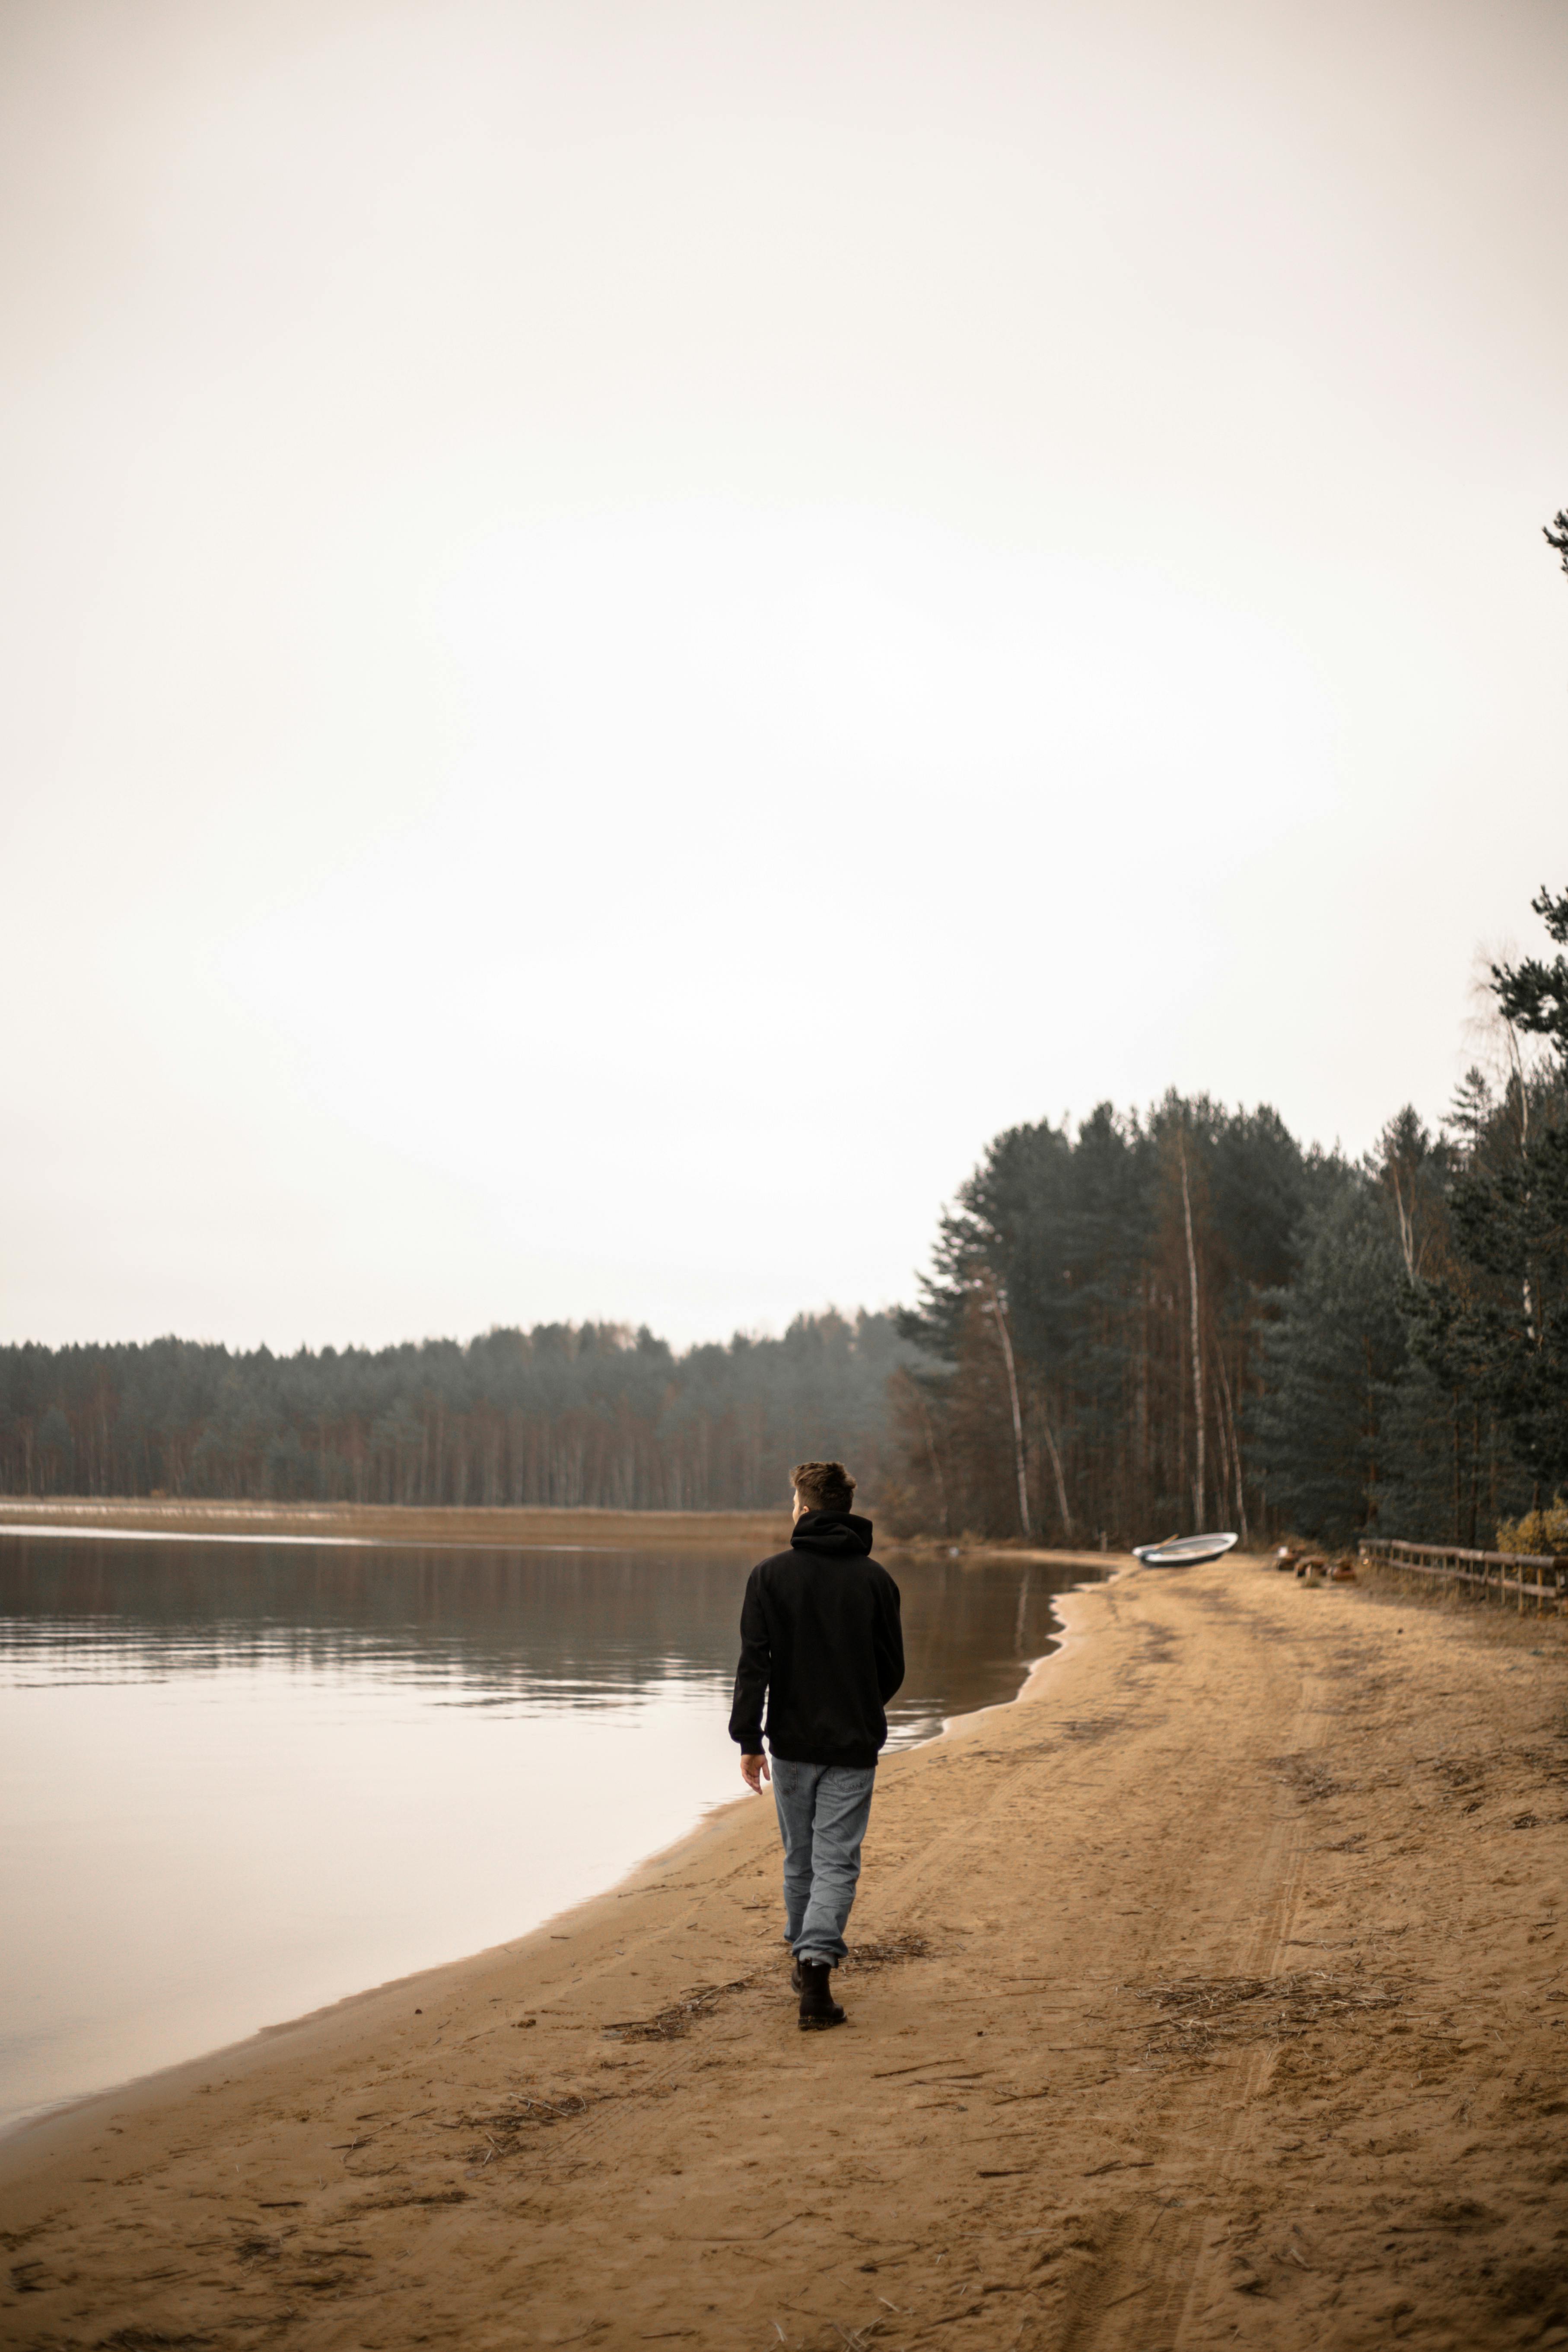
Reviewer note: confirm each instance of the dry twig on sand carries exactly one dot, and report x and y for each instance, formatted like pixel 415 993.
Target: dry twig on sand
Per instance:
pixel 1206 2011
pixel 888 1952
pixel 669 2024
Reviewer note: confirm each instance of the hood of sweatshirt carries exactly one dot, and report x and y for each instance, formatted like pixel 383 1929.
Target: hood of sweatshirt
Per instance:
pixel 831 1531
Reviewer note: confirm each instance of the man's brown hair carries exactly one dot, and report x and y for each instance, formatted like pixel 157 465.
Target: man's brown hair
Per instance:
pixel 824 1485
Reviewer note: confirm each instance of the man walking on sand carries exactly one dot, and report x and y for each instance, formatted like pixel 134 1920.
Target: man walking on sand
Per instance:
pixel 821 1641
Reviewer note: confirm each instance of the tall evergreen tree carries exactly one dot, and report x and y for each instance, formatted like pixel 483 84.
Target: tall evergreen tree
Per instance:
pixel 1332 1357
pixel 1089 1326
pixel 1497 1323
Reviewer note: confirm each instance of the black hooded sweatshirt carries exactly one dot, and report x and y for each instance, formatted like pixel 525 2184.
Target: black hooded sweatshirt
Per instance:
pixel 820 1638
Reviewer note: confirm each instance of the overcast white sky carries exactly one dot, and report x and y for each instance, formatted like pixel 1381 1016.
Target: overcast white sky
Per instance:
pixel 628 625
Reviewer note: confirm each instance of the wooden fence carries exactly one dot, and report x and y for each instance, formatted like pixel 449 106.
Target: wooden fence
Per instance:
pixel 1504 1573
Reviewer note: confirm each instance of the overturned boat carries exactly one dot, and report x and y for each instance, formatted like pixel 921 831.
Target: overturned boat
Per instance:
pixel 1183 1551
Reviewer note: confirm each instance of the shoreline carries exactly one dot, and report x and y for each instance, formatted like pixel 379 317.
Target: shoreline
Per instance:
pixel 1207 1993
pixel 663 1856
pixel 462 1527
pixel 455 1526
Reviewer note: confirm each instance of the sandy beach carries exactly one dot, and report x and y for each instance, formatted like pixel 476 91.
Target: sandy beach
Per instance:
pixel 1215 1994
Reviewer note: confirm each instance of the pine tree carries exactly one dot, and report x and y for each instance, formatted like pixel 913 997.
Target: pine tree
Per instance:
pixel 1333 1357
pixel 1498 1324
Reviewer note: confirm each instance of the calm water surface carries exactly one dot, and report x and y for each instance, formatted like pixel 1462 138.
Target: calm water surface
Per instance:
pixel 239 1779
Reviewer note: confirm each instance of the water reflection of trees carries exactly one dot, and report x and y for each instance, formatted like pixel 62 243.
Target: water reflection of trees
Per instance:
pixel 548 1625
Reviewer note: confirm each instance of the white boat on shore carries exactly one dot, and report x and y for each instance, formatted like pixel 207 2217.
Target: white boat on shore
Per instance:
pixel 1183 1551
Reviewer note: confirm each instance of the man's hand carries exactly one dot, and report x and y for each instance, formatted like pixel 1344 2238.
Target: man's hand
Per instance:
pixel 754 1771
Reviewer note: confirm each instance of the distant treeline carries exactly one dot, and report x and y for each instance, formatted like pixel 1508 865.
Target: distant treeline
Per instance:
pixel 559 1415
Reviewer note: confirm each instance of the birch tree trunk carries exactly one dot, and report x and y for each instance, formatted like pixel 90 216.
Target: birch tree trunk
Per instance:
pixel 935 1460
pixel 1057 1472
pixel 1199 1416
pixel 1234 1449
pixel 999 1311
pixel 995 1306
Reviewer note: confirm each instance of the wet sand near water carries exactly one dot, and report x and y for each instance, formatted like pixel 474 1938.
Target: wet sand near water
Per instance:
pixel 1215 1993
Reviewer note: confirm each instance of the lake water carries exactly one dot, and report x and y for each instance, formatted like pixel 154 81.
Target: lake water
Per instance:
pixel 241 1779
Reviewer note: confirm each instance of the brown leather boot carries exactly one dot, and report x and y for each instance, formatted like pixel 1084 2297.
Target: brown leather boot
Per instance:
pixel 818 2007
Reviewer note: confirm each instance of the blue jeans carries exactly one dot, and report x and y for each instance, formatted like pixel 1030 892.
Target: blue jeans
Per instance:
pixel 822 1810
